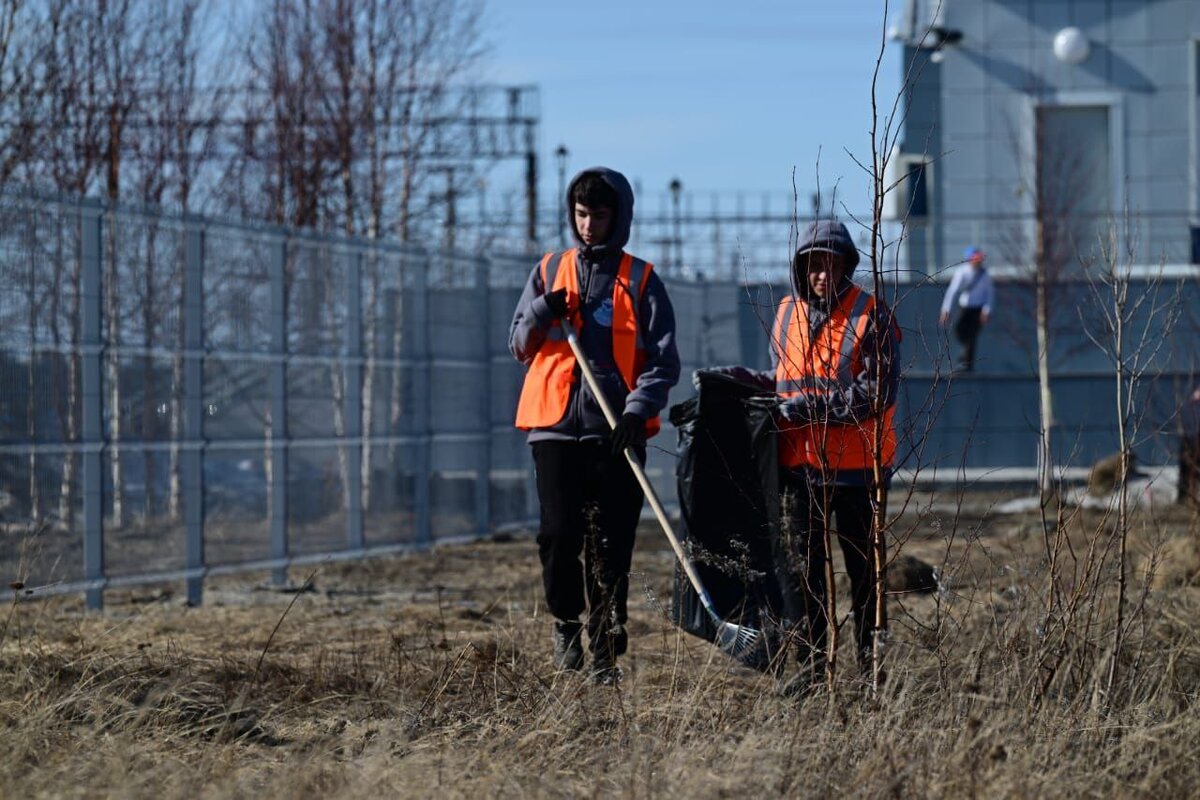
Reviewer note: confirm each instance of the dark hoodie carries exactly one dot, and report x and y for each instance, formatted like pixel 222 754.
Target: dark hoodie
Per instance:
pixel 851 404
pixel 597 270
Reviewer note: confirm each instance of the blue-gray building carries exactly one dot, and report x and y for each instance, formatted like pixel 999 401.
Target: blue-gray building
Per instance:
pixel 1067 112
pixel 1045 131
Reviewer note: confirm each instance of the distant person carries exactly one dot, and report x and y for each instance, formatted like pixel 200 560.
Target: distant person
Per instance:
pixel 1189 451
pixel 835 351
pixel 971 289
pixel 590 500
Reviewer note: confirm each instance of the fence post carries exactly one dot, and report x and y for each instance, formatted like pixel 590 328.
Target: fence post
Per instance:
pixel 352 400
pixel 422 374
pixel 279 422
pixel 91 221
pixel 483 469
pixel 192 461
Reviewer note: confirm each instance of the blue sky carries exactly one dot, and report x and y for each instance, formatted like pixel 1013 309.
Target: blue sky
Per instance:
pixel 725 95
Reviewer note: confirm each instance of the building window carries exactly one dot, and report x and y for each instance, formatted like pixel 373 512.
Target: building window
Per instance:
pixel 916 190
pixel 910 194
pixel 1074 182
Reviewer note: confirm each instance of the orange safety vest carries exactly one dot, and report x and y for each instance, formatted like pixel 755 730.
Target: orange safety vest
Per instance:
pixel 813 365
pixel 548 382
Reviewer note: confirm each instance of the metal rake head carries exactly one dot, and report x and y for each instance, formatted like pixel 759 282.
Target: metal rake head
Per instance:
pixel 738 641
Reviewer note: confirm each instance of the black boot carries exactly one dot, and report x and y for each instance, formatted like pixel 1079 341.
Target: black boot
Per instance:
pixel 568 645
pixel 607 642
pixel 606 634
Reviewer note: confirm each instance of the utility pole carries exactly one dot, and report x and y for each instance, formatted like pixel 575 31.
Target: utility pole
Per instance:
pixel 676 188
pixel 451 210
pixel 450 223
pixel 561 155
pixel 531 167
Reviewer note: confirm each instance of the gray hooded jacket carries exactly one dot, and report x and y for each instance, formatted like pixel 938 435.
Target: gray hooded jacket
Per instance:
pixel 597 270
pixel 880 373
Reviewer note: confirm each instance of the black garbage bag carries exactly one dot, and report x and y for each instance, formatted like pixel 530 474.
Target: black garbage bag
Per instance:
pixel 728 484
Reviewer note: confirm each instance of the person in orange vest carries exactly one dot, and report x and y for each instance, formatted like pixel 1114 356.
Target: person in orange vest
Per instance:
pixel 835 371
pixel 590 500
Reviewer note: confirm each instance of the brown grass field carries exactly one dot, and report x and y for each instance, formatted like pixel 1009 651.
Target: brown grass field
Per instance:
pixel 429 676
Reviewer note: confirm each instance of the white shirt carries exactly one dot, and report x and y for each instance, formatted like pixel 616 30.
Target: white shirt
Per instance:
pixel 973 289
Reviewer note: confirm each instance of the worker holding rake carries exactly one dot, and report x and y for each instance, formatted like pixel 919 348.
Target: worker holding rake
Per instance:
pixel 835 371
pixel 590 499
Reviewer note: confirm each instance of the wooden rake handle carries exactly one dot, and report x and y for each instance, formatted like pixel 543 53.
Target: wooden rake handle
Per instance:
pixel 589 377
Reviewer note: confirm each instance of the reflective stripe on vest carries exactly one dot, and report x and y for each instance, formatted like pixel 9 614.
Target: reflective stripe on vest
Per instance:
pixel 547 388
pixel 808 364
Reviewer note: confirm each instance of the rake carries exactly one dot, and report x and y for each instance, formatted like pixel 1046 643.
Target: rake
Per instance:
pixel 738 641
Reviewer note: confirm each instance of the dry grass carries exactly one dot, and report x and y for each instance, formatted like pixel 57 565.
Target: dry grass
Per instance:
pixel 431 675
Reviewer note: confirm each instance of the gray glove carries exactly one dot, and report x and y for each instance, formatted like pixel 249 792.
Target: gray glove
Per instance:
pixel 700 373
pixel 797 410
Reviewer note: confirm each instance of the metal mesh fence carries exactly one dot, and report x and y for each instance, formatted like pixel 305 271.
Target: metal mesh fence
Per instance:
pixel 183 396
pixel 180 396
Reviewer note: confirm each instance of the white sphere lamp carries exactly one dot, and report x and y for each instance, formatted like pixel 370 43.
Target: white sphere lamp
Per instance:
pixel 1071 46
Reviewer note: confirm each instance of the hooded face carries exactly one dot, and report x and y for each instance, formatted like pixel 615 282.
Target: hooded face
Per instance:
pixel 593 223
pixel 827 245
pixel 825 272
pixel 611 234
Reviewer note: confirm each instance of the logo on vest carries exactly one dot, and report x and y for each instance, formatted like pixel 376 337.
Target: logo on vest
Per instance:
pixel 603 315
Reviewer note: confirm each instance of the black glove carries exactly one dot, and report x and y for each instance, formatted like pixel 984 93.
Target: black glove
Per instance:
pixel 630 430
pixel 556 301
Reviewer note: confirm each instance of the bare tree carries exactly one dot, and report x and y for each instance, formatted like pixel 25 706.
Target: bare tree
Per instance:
pixel 69 161
pixel 107 81
pixel 1134 328
pixel 34 289
pixel 345 102
pixel 18 85
pixel 123 37
pixel 342 113
pixel 172 144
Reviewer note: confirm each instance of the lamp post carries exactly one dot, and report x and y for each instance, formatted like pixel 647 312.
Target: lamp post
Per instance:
pixel 561 155
pixel 451 224
pixel 676 189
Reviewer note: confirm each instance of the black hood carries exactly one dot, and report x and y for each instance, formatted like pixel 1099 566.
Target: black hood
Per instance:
pixel 618 235
pixel 825 235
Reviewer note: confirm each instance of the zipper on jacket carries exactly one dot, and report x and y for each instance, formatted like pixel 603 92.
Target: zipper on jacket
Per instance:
pixel 577 374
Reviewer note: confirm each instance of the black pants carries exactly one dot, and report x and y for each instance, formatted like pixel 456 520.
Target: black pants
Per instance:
pixel 966 330
pixel 591 503
pixel 801 560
